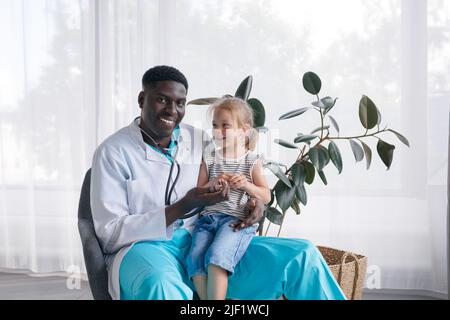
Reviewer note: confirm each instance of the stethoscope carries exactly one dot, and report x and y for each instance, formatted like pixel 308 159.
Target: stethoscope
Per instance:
pixel 169 189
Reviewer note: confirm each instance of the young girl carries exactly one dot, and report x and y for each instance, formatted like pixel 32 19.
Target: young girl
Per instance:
pixel 216 247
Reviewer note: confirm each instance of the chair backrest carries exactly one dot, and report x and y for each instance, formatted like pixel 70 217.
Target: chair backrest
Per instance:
pixel 92 251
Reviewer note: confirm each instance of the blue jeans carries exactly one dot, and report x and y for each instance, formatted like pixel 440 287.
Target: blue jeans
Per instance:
pixel 215 242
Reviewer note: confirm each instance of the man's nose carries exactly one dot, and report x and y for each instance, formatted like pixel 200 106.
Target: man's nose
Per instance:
pixel 171 107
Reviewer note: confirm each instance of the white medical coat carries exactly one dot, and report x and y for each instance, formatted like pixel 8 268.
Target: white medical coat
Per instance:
pixel 127 191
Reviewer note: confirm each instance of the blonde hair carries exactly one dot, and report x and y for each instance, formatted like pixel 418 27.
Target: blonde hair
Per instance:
pixel 242 113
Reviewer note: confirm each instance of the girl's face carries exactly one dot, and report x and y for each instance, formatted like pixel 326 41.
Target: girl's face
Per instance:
pixel 226 131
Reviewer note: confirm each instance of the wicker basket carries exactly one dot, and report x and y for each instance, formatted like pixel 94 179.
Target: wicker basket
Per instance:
pixel 350 275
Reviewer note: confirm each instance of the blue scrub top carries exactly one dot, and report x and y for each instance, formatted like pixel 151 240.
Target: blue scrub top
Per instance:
pixel 172 144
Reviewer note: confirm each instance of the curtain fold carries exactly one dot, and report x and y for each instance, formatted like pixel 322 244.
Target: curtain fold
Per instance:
pixel 70 74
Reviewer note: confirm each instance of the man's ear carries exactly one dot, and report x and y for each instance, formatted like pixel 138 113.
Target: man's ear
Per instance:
pixel 141 98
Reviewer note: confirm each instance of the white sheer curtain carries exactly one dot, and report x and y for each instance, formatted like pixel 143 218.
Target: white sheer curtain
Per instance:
pixel 46 130
pixel 70 74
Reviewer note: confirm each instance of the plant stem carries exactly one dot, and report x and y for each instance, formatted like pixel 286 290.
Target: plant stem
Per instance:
pixel 281 225
pixel 321 117
pixel 268 226
pixel 321 122
pixel 298 158
pixel 355 137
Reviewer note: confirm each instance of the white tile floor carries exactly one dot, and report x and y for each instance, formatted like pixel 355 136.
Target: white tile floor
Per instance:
pixel 21 286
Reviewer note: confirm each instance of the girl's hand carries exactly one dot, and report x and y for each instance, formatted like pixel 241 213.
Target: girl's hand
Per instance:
pixel 225 176
pixel 238 181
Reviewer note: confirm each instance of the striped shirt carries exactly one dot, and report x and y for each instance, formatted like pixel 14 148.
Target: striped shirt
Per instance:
pixel 216 164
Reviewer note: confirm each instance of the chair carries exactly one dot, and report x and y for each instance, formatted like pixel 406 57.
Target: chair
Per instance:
pixel 93 254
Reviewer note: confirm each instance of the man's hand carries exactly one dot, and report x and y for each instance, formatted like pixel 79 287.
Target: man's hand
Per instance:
pixel 256 209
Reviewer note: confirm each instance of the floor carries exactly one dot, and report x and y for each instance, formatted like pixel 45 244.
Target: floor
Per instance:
pixel 24 287
pixel 15 286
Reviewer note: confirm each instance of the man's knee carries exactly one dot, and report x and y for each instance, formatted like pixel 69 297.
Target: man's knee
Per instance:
pixel 154 280
pixel 163 285
pixel 308 245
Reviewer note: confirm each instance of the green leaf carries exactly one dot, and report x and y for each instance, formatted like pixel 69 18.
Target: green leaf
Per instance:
pixel 262 129
pixel 259 112
pixel 293 113
pixel 203 101
pixel 312 83
pixel 278 172
pixel 325 103
pixel 295 207
pixel 274 216
pixel 244 89
pixel 334 123
pixel 286 144
pixel 327 109
pixel 386 152
pixel 305 138
pixel 272 198
pixel 284 195
pixel 368 113
pixel 322 177
pixel 368 153
pixel 400 137
pixel 300 192
pixel 357 150
pixel 379 116
pixel 299 173
pixel 310 172
pixel 320 129
pixel 281 165
pixel 335 155
pixel 318 104
pixel 319 157
pixel 326 153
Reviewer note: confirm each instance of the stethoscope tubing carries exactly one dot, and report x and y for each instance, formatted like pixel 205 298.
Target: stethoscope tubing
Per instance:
pixel 169 189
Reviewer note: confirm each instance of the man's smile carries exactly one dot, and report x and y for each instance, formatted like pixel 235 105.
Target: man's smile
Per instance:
pixel 167 121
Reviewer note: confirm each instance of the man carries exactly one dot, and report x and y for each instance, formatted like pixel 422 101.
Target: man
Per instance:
pixel 140 192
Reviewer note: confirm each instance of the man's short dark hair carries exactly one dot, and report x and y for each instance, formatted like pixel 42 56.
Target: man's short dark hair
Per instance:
pixel 163 73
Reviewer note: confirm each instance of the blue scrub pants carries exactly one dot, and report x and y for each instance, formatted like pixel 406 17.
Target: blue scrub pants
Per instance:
pixel 271 267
